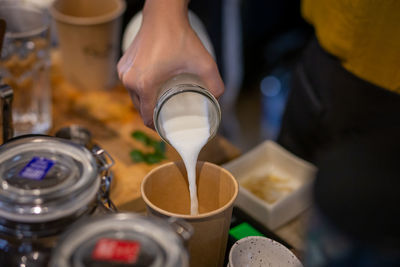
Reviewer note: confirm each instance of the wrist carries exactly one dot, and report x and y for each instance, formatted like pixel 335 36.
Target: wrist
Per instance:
pixel 171 10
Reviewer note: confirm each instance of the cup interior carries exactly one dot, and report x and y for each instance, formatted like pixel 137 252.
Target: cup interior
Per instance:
pixel 166 188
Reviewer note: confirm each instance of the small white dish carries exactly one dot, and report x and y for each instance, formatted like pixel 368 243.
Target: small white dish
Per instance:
pixel 275 185
pixel 261 251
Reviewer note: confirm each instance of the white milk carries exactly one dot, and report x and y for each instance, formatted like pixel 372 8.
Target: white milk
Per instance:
pixel 185 120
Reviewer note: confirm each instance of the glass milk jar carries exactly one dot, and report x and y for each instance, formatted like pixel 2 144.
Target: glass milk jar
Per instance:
pixel 187 104
pixel 187 116
pixel 46 183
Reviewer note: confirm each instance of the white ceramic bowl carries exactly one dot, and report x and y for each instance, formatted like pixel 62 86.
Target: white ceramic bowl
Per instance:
pixel 261 251
pixel 290 176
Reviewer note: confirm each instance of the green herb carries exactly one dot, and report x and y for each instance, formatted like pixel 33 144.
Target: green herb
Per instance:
pixel 142 137
pixel 156 156
pixel 159 147
pixel 137 155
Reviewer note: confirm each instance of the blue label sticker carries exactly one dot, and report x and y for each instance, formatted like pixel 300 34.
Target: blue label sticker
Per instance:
pixel 37 168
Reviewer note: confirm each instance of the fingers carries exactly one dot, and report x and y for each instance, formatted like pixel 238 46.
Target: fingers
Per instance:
pixel 135 100
pixel 212 79
pixel 123 66
pixel 142 93
pixel 146 112
pixel 144 108
pixel 216 86
pixel 126 61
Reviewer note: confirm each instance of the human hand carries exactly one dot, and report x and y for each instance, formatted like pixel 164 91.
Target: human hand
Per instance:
pixel 165 46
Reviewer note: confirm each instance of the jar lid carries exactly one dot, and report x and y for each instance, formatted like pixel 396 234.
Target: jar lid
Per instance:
pixel 45 178
pixel 121 239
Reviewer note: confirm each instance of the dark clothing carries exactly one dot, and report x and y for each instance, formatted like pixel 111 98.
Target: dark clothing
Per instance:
pixel 328 104
pixel 357 188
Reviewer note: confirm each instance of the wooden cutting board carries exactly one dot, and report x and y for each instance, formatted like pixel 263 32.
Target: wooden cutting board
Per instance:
pixel 111 118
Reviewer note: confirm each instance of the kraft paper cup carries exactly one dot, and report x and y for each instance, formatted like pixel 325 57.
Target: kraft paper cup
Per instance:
pixel 166 194
pixel 89 39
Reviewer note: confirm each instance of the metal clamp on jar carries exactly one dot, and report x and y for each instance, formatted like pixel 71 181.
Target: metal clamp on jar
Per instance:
pixel 81 136
pixel 46 183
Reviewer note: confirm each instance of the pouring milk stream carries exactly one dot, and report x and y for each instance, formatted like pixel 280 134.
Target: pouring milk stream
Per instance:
pixel 187 116
pixel 188 142
pixel 187 133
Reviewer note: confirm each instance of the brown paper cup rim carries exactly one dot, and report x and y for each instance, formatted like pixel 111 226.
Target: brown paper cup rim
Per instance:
pixel 186 216
pixel 59 16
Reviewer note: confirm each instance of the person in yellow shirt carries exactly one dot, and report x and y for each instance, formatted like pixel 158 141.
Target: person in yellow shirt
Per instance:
pixel 345 88
pixel 363 35
pixel 348 81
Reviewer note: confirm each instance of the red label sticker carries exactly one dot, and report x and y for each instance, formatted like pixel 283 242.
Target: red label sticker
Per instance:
pixel 116 250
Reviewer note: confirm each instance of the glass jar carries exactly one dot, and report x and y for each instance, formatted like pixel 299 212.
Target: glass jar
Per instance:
pixel 25 65
pixel 123 239
pixel 46 183
pixel 185 95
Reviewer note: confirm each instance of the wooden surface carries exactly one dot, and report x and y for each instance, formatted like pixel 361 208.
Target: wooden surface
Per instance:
pixel 111 118
pixel 294 232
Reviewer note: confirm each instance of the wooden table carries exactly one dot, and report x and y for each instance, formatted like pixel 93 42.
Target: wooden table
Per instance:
pixel 111 118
